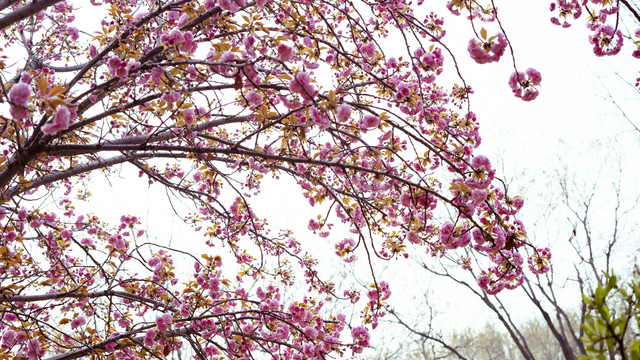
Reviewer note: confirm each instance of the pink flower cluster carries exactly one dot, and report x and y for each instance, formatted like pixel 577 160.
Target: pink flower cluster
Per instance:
pixel 163 322
pixel 59 122
pixel 507 274
pixel 231 5
pixel 253 98
pixel 360 336
pixel 319 118
pixel 539 262
pixel 78 322
pixel 285 52
pixel 120 68
pixel 19 96
pixel 606 41
pixel 380 293
pixel 73 33
pixel 301 85
pixel 636 53
pixel 368 50
pixel 369 122
pixel 345 248
pixel 431 62
pixel 149 337
pixel 184 41
pixel 525 85
pixel 487 51
pixel 454 237
pixel 343 113
pixel 565 9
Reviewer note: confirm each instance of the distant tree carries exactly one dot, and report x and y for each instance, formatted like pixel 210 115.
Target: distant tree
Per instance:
pixel 208 99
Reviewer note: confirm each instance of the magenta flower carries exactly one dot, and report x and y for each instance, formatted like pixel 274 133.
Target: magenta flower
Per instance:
pixel 368 50
pixel 302 85
pixel 188 46
pixel 77 322
pixel 163 322
pixel 486 51
pixel 285 53
pixel 174 37
pixel 19 95
pixel 605 41
pixel 343 113
pixel 525 85
pixel 33 350
pixel 73 33
pixel 566 10
pixel 370 122
pixel 253 98
pixel 539 262
pixel 171 96
pixel 59 122
pixel 360 336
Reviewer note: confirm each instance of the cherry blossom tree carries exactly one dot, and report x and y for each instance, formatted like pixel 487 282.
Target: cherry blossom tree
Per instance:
pixel 209 100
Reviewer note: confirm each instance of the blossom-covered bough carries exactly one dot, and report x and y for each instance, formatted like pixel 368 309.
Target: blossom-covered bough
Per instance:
pixel 209 99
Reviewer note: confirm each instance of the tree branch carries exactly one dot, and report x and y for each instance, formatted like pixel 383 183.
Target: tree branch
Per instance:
pixel 24 12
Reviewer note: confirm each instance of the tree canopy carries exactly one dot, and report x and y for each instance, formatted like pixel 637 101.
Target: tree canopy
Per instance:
pixel 209 100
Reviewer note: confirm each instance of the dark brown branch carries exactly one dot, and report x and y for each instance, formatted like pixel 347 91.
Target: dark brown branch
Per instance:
pixel 24 12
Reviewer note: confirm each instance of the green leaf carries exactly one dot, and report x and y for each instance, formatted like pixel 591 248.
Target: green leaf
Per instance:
pixel 483 33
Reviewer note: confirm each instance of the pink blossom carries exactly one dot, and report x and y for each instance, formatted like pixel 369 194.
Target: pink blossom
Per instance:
pixel 344 249
pixel 149 337
pixel 302 85
pixel 117 67
pixel 171 96
pixel 156 75
pixel 33 350
pixel 539 262
pixel 525 85
pixel 486 51
pixel 189 116
pixel 368 50
pixel 313 225
pixel 188 46
pixel 566 9
pixel 174 37
pixel 360 336
pixel 285 53
pixel 405 199
pixel 154 261
pixel 478 196
pixel 254 98
pixel 59 122
pixel 319 118
pixel 163 322
pixel 77 322
pixel 605 42
pixel 73 33
pixel 370 122
pixel 19 95
pixel 231 5
pixel 343 113
pixel 290 103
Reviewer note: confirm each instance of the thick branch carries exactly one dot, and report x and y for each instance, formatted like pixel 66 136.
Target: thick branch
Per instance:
pixel 79 295
pixel 24 12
